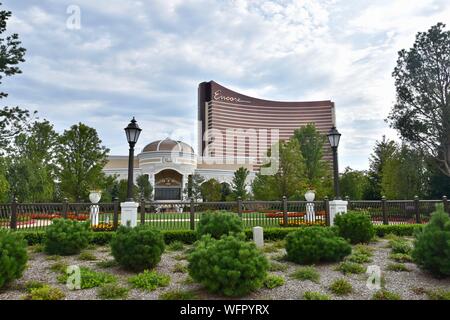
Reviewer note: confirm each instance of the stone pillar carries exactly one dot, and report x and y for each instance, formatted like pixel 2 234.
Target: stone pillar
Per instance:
pixel 258 236
pixel 128 215
pixel 336 207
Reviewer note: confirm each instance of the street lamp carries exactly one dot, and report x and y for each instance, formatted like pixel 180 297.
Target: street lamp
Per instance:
pixel 132 131
pixel 334 136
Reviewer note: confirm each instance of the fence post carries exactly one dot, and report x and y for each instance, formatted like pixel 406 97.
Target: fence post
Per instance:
pixel 116 213
pixel 384 210
pixel 417 208
pixel 142 210
pixel 65 208
pixel 445 202
pixel 326 203
pixel 13 222
pixel 285 212
pixel 192 215
pixel 239 203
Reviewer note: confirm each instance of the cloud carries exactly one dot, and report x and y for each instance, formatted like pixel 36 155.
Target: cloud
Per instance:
pixel 146 58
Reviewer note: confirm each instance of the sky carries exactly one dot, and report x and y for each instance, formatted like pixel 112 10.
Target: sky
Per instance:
pixel 146 58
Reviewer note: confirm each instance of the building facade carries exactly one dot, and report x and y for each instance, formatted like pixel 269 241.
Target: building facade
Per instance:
pixel 234 131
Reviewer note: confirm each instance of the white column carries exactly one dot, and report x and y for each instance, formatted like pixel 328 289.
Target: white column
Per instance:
pixel 336 207
pixel 128 214
pixel 152 181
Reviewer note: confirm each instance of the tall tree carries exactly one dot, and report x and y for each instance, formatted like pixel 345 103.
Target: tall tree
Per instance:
pixel 13 120
pixel 193 187
pixel 288 180
pixel 382 152
pixel 144 186
pixel 211 190
pixel 422 80
pixel 353 183
pixel 239 185
pixel 80 160
pixel 4 184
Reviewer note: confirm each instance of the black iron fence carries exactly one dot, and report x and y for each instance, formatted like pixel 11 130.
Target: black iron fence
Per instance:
pixel 185 215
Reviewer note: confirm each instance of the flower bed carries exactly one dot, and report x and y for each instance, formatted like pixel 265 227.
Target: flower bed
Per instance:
pixel 279 214
pixel 302 223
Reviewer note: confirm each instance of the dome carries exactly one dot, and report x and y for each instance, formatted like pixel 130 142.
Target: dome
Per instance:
pixel 168 145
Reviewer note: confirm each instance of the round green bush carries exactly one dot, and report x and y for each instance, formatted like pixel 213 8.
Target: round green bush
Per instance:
pixel 66 237
pixel 137 248
pixel 356 227
pixel 432 245
pixel 13 256
pixel 316 244
pixel 218 223
pixel 229 266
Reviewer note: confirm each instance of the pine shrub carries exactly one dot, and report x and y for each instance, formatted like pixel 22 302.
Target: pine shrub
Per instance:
pixel 218 223
pixel 13 256
pixel 137 248
pixel 66 237
pixel 356 227
pixel 316 244
pixel 229 266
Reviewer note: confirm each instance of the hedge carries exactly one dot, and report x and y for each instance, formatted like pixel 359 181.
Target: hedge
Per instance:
pixel 190 236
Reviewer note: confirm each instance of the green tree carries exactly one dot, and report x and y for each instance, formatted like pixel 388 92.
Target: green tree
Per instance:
pixel 211 190
pixel 123 191
pixel 353 183
pixel 225 192
pixel 193 187
pixel 145 188
pixel 239 185
pixel 382 152
pixel 422 111
pixel 80 160
pixel 288 180
pixel 13 120
pixel 405 174
pixel 4 184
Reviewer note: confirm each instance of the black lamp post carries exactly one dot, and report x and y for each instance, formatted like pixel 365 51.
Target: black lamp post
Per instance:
pixel 132 131
pixel 334 136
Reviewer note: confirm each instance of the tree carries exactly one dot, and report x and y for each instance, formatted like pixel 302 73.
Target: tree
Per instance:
pixel 123 191
pixel 405 174
pixel 145 188
pixel 382 152
pixel 353 183
pixel 13 120
pixel 288 181
pixel 211 190
pixel 80 160
pixel 225 192
pixel 193 187
pixel 239 185
pixel 4 184
pixel 422 110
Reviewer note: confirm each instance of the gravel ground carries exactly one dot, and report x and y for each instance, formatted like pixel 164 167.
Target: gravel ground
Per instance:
pixel 402 283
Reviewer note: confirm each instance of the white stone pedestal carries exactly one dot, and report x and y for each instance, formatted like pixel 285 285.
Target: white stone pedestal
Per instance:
pixel 258 236
pixel 337 206
pixel 94 214
pixel 128 214
pixel 310 214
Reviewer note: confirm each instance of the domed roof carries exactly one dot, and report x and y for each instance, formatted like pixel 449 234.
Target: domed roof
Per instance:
pixel 168 145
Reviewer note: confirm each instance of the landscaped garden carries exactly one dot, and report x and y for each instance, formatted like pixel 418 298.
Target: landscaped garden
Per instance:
pixel 218 260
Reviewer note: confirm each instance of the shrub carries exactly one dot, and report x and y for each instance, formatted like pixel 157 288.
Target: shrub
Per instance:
pixel 432 245
pixel 310 295
pixel 229 266
pixel 175 246
pixel 178 295
pixel 306 273
pixel 386 295
pixel 355 227
pixel 87 256
pixel 397 267
pixel 277 266
pixel 439 294
pixel 137 248
pixel 363 249
pixel 44 292
pixel 350 267
pixel 149 280
pixel 59 267
pixel 273 281
pixel 315 244
pixel 341 287
pixel 218 223
pixel 13 256
pixel 400 257
pixel 401 230
pixel 400 246
pixel 112 291
pixel 90 278
pixel 107 264
pixel 32 284
pixel 179 268
pixel 66 237
pixel 358 258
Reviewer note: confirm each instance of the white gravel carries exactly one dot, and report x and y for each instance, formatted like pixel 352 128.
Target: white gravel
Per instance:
pixel 401 283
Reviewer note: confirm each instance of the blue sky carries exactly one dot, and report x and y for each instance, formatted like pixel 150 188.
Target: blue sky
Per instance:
pixel 146 58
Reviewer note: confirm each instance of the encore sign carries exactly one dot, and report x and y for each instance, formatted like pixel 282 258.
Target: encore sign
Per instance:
pixel 219 97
